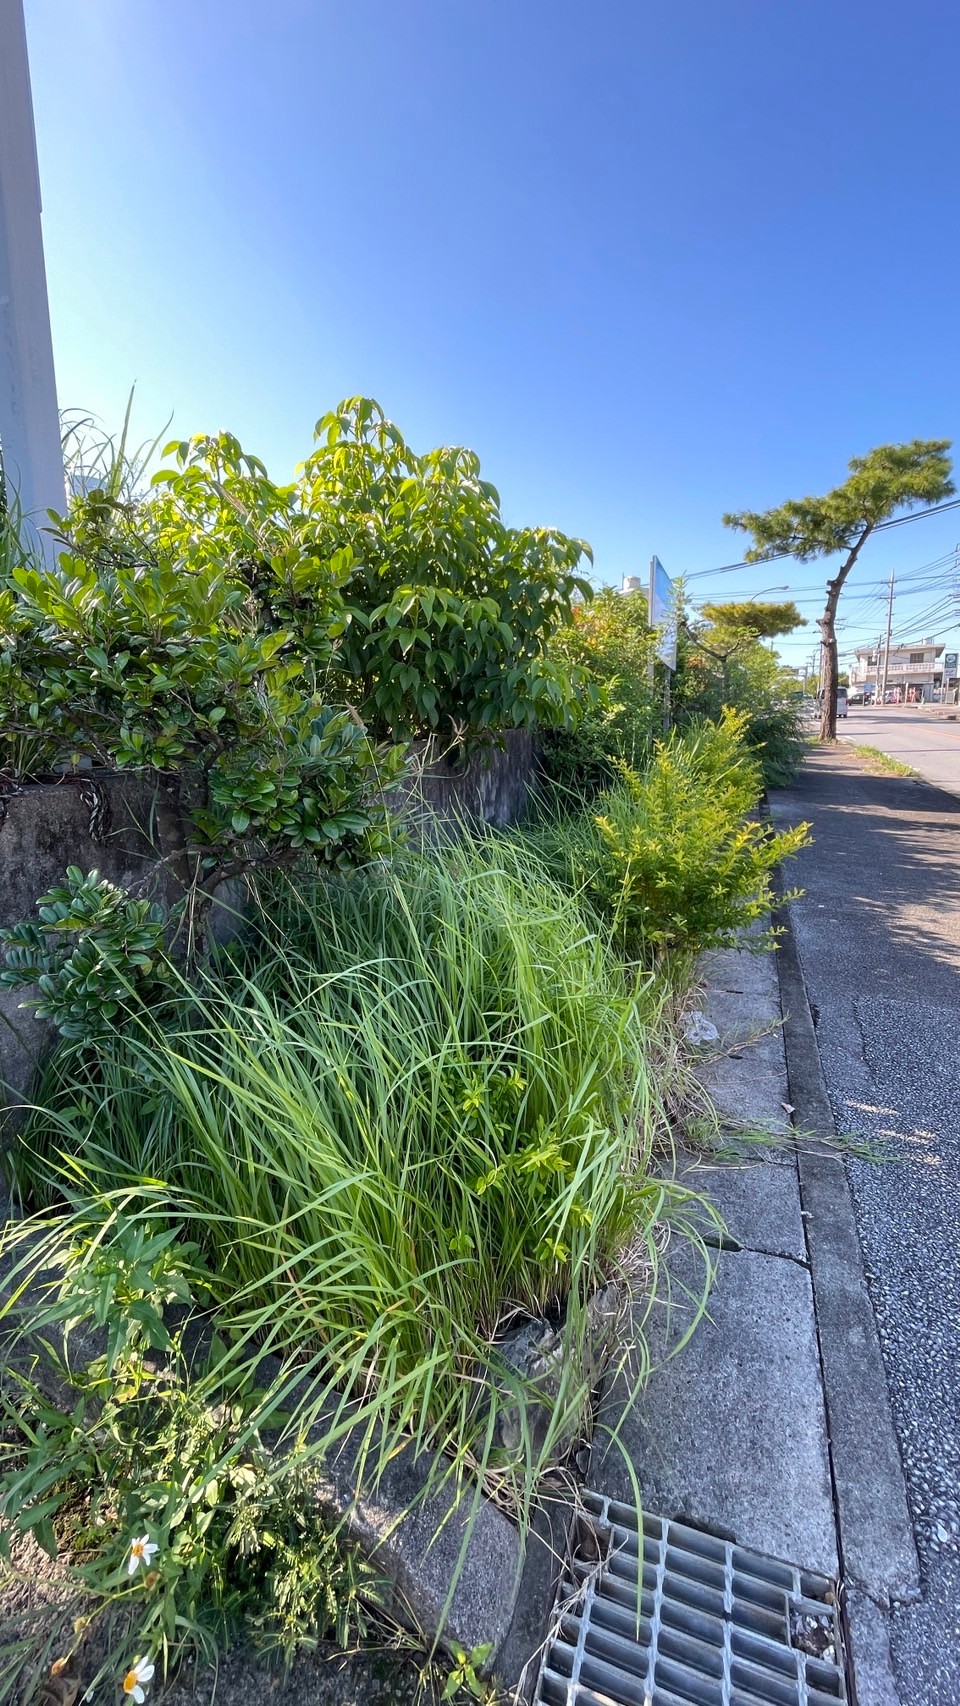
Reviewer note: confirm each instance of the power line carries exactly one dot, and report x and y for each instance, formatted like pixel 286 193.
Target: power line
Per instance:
pixel 904 631
pixel 921 577
pixel 934 615
pixel 781 556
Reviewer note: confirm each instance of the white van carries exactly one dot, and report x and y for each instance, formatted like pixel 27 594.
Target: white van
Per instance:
pixel 841 702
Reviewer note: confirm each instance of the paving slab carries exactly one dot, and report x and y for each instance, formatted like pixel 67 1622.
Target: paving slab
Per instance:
pixel 747 1081
pixel 745 971
pixel 759 1201
pixel 738 1432
pixel 748 1093
pixel 731 1433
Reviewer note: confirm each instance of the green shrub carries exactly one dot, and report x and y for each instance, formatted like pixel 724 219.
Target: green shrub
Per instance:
pixel 237 639
pixel 394 571
pixel 148 649
pixel 672 859
pixel 449 610
pixel 611 642
pixel 713 674
pixel 93 949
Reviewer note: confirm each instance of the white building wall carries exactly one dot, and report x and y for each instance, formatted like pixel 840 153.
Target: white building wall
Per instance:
pixel 29 418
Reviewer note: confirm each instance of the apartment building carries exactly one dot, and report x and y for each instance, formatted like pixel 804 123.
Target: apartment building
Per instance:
pixel 911 671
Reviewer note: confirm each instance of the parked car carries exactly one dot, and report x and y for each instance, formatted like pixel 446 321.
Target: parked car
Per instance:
pixel 856 699
pixel 842 702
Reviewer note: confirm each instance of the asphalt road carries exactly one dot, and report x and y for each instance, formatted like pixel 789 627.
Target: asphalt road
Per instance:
pixel 878 931
pixel 924 739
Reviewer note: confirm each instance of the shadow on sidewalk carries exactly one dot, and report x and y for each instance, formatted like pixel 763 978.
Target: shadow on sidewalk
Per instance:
pixel 886 853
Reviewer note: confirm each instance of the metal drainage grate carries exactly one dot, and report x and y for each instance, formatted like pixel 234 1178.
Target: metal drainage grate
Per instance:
pixel 719 1626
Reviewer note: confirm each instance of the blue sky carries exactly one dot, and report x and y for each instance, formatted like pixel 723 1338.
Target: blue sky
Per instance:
pixel 652 261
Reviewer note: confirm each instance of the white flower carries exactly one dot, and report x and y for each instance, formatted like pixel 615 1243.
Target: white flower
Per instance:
pixel 141 1551
pixel 140 1672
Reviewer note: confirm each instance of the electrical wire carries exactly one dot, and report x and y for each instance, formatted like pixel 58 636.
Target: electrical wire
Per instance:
pixel 781 556
pixel 922 577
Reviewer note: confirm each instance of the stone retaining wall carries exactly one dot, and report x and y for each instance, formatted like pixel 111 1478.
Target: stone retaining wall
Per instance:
pixel 494 786
pixel 128 830
pixel 119 826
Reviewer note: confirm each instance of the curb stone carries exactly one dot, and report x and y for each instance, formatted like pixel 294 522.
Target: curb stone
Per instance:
pixel 875 1535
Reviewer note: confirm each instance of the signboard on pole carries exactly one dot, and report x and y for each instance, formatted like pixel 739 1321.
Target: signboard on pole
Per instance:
pixel 950 663
pixel 663 612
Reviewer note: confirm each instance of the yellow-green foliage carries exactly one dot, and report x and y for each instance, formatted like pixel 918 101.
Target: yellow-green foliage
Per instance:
pixel 674 858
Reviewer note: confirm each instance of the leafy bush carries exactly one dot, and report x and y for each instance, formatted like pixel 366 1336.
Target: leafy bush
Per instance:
pixel 716 670
pixel 611 641
pixel 237 638
pixel 146 649
pixel 93 949
pixel 672 859
pixel 394 569
pixel 449 610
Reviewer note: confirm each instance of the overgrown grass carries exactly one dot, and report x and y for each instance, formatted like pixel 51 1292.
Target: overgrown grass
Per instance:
pixel 882 762
pixel 417 1105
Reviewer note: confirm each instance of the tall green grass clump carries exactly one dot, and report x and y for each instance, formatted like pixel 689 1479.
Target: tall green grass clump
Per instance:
pixel 672 859
pixel 421 1104
pixel 413 1108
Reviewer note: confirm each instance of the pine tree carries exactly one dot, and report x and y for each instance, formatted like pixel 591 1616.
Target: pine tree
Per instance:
pixel 891 478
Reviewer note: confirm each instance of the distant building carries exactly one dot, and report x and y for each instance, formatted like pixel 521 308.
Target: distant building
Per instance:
pixel 910 670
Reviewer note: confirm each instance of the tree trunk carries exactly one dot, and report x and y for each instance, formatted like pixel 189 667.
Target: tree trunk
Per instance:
pixel 830 663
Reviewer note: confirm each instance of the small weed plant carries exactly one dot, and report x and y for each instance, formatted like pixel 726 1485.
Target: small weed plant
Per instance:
pixel 188 1534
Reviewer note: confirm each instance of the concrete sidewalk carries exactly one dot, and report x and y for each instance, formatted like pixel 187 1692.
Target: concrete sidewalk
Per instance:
pixel 772 1426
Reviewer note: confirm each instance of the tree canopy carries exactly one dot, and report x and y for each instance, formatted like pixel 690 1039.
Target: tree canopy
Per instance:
pixel 753 620
pixel 891 478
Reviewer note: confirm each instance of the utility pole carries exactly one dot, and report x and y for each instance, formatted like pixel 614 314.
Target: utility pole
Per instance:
pixel 886 649
pixel 29 420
